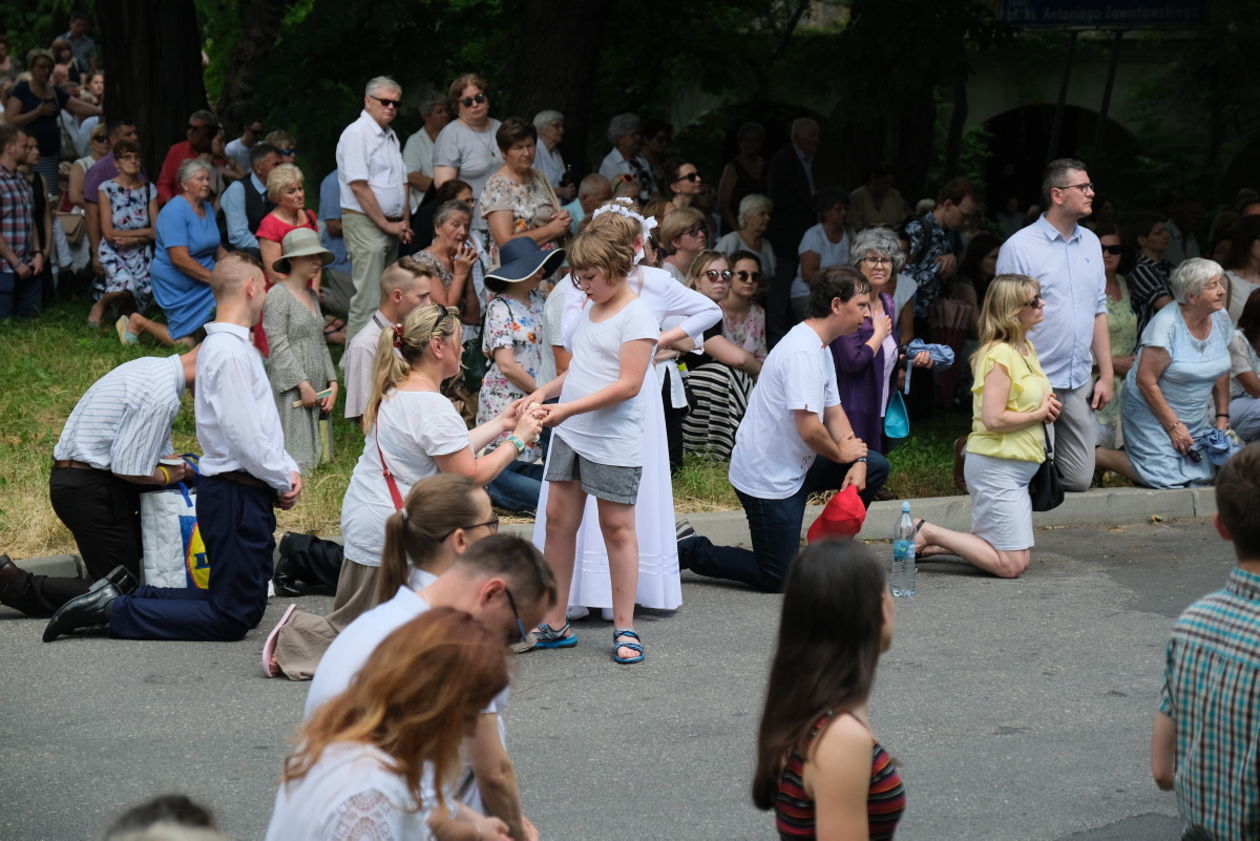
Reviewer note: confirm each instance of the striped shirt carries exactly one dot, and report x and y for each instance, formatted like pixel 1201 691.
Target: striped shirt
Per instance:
pixel 123 422
pixel 1212 694
pixel 885 801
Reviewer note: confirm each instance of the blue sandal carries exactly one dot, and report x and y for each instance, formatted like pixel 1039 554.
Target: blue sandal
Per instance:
pixel 548 637
pixel 633 646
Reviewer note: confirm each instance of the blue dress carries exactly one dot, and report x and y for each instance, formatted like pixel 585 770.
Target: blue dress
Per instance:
pixel 187 303
pixel 1187 387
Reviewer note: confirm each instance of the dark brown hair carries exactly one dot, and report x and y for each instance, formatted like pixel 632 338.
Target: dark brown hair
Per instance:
pixel 1238 500
pixel 1243 234
pixel 512 131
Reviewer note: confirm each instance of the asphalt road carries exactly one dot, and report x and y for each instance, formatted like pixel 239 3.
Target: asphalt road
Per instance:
pixel 1016 709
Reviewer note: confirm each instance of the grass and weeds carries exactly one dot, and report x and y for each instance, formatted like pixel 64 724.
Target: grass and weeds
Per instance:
pixel 47 364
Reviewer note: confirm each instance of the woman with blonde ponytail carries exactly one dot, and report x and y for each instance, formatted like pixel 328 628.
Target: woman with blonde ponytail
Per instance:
pixel 413 432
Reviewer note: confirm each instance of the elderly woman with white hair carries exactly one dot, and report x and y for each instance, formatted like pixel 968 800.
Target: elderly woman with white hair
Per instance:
pixel 625 159
pixel 187 248
pixel 1178 388
pixel 435 110
pixel 550 127
pixel 754 218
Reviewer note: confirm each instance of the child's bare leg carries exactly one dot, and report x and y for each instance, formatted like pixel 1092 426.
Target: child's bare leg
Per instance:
pixel 565 503
pixel 616 522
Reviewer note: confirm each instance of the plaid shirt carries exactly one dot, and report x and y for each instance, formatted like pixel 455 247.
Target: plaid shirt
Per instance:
pixel 1212 693
pixel 17 220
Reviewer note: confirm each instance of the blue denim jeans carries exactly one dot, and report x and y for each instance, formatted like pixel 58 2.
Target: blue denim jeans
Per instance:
pixel 517 487
pixel 775 528
pixel 19 297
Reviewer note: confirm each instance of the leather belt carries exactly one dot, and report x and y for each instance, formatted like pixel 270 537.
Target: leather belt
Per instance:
pixel 345 210
pixel 243 478
pixel 77 465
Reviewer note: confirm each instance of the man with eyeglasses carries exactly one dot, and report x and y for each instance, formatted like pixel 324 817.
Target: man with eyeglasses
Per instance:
pixel 1066 259
pixel 372 181
pixel 505 583
pixel 237 150
pixel 201 129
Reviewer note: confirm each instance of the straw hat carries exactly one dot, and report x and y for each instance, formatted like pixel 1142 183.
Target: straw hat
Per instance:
pixel 301 242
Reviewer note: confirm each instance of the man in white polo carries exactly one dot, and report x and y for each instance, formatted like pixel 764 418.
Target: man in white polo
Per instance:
pixel 372 181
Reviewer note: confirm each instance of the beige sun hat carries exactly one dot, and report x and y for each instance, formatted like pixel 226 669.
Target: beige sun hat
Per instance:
pixel 300 242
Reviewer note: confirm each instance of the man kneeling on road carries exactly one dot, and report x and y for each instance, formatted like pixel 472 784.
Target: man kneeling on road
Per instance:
pixel 775 471
pixel 244 473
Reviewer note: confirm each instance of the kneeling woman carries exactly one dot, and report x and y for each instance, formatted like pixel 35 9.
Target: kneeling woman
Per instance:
pixel 1012 404
pixel 413 432
pixel 818 763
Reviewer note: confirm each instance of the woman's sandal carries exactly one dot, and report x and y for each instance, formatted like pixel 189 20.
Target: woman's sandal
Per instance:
pixel 633 646
pixel 548 637
pixel 918 553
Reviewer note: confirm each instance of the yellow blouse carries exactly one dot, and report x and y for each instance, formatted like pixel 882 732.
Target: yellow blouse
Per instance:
pixel 1029 387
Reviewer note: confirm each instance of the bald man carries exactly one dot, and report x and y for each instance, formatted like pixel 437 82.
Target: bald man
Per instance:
pixel 245 472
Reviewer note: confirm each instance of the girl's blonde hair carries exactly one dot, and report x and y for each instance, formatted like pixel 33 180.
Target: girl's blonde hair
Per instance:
pixel 435 507
pixel 700 263
pixel 624 227
pixel 999 315
pixel 604 248
pixel 402 346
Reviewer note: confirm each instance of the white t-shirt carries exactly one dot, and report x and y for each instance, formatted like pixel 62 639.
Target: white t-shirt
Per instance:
pixel 475 154
pixel 418 157
pixel 356 363
pixel 238 153
pixel 351 794
pixel 553 335
pixel 612 435
pixel 830 254
pixel 733 242
pixel 414 426
pixel 770 460
pixel 1240 290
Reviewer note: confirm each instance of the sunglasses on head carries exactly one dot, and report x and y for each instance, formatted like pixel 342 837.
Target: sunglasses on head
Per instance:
pixel 1113 249
pixel 470 101
pixel 745 276
pixel 714 274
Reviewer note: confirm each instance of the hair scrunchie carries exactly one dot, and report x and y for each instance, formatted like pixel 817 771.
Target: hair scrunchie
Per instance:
pixel 398 335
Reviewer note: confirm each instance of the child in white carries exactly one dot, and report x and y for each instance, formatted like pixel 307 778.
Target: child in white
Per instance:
pixel 597 447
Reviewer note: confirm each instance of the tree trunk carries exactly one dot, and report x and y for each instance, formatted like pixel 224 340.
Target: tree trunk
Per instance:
pixel 249 57
pixel 561 41
pixel 957 121
pixel 154 58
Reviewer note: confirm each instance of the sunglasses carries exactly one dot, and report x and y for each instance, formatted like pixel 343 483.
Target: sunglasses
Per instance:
pixel 288 153
pixel 470 101
pixel 1113 249
pixel 744 276
pixel 128 157
pixel 522 634
pixel 714 274
pixel 388 103
pixel 694 232
pixel 1037 300
pixel 693 177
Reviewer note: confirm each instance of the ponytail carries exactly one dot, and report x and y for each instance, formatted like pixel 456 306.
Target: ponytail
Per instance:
pixel 434 508
pixel 401 346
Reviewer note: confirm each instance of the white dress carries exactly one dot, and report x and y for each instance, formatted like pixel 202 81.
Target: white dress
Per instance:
pixel 659 584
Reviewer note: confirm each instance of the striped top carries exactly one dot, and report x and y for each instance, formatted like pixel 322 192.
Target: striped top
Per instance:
pixel 885 802
pixel 123 422
pixel 1212 694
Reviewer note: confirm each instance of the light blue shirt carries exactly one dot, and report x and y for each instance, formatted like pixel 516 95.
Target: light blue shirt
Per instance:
pixel 1074 286
pixel 576 215
pixel 330 208
pixel 237 422
pixel 233 204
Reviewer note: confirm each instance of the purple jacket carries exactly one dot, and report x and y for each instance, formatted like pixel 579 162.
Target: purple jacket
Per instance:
pixel 859 376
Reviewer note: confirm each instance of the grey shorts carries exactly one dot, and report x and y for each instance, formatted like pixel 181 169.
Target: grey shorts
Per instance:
pixel 602 481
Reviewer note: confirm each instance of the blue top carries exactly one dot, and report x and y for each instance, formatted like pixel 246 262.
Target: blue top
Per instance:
pixel 233 204
pixel 186 301
pixel 1074 286
pixel 330 208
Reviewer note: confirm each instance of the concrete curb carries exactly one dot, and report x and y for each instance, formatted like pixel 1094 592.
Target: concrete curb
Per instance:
pixel 1100 506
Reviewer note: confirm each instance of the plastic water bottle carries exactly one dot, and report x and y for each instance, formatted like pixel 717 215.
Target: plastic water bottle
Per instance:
pixel 902 577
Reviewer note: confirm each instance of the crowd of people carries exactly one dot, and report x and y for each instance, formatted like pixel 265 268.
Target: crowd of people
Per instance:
pixel 518 338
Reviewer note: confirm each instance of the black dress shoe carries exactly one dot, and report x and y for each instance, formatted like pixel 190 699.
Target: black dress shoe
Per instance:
pixel 284 580
pixel 86 611
pixel 8 569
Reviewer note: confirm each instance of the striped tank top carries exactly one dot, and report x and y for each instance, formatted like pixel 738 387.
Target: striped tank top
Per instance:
pixel 885 802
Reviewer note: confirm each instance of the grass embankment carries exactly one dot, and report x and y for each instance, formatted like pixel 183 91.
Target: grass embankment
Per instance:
pixel 46 365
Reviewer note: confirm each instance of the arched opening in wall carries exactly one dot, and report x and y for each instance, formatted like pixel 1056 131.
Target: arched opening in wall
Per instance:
pixel 1018 141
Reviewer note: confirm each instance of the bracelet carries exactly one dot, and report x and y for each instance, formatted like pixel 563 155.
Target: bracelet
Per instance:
pixel 166 475
pixel 1172 426
pixel 1222 414
pixel 517 443
pixel 861 460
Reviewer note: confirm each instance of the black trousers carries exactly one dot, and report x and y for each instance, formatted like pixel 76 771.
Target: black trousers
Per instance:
pixel 103 513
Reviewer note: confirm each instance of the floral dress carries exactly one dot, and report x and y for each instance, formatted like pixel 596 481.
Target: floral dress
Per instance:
pixel 533 205
pixel 749 333
pixel 127 269
pixel 509 324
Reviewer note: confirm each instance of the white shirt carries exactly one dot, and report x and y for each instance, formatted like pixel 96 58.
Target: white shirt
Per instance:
pixel 770 460
pixel 553 320
pixel 829 253
pixel 369 152
pixel 357 362
pixel 237 423
pixel 549 163
pixel 414 426
pixel 612 435
pixel 238 152
pixel 614 164
pixel 350 794
pixel 733 242
pixel 418 157
pixel 123 422
pixel 903 295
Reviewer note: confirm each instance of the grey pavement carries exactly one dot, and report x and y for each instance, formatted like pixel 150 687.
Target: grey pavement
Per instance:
pixel 1016 709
